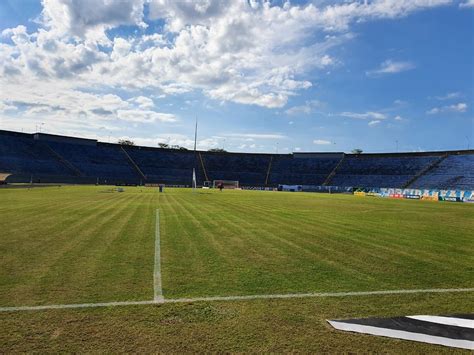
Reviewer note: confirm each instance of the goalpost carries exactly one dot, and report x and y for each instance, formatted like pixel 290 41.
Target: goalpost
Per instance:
pixel 228 184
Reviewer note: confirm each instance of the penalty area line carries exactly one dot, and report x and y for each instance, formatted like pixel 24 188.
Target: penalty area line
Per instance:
pixel 162 300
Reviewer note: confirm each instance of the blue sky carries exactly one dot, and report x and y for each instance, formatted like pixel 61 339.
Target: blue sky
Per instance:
pixel 259 76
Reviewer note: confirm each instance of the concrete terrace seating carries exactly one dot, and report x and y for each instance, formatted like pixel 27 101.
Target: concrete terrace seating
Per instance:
pixel 101 161
pixel 377 171
pixel 164 166
pixel 245 168
pixel 287 169
pixel 455 172
pixel 25 156
pixel 51 158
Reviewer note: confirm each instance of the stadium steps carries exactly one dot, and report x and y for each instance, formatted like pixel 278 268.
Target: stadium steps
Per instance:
pixel 452 182
pixel 63 161
pixel 133 164
pixel 333 172
pixel 425 171
pixel 269 170
pixel 203 166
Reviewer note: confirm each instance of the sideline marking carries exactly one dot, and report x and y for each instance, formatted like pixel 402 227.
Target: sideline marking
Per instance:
pixel 316 294
pixel 74 305
pixel 157 288
pixel 162 300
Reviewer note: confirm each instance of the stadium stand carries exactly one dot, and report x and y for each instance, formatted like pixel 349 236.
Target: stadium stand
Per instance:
pixel 104 161
pixel 376 170
pixel 50 158
pixel 454 172
pixel 19 153
pixel 303 168
pixel 248 169
pixel 167 166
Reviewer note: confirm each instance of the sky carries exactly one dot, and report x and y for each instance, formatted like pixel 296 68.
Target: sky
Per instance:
pixel 259 76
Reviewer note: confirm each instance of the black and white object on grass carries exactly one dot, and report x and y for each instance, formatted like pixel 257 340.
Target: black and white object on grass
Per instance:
pixel 455 331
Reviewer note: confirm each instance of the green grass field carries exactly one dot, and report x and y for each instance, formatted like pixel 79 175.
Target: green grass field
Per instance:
pixel 65 245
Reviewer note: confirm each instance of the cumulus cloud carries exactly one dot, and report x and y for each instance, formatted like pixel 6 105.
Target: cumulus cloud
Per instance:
pixel 365 115
pixel 467 4
pixel 374 123
pixel 66 104
pixel 399 102
pixel 248 52
pixel 173 139
pixel 448 96
pixel 143 102
pixel 391 67
pixel 256 135
pixel 459 107
pixel 90 18
pixel 5 106
pixel 145 116
pixel 307 108
pixel 321 142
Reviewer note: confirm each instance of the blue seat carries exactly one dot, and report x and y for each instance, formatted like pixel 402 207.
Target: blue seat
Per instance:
pixel 379 171
pixel 454 172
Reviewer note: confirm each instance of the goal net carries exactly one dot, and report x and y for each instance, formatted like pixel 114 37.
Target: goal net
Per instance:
pixel 228 184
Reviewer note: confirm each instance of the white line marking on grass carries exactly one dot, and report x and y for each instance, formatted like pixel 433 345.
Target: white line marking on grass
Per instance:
pixel 318 294
pixel 76 305
pixel 162 300
pixel 157 288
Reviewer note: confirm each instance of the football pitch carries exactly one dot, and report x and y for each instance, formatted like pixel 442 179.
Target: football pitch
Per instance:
pixel 223 271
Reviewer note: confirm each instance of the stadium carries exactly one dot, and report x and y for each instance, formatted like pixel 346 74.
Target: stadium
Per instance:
pixel 47 158
pixel 236 176
pixel 291 234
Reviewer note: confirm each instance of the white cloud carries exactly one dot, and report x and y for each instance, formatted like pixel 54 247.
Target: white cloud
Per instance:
pixel 168 138
pixel 5 106
pixel 90 18
pixel 365 115
pixel 307 108
pixel 247 52
pixel 467 3
pixel 145 116
pixel 391 67
pixel 459 107
pixel 143 102
pixel 63 104
pixel 255 135
pixel 374 123
pixel 449 96
pixel 399 102
pixel 321 142
pixel 227 49
pixel 398 118
pixel 245 146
